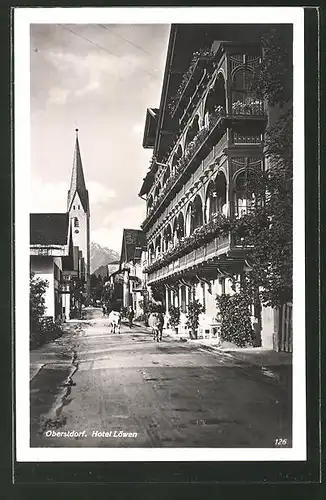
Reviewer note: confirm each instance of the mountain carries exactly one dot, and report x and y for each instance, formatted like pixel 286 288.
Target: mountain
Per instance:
pixel 101 256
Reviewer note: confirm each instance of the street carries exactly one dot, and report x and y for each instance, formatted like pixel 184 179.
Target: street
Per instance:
pixel 93 388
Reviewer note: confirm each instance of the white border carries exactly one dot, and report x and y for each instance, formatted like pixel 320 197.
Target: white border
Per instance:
pixel 23 17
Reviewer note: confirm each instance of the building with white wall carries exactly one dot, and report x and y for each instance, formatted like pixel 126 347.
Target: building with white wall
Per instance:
pixel 50 245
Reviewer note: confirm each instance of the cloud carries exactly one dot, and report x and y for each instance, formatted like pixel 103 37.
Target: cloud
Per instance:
pixel 110 234
pixel 138 128
pixel 99 194
pixel 84 74
pixel 58 95
pixel 110 238
pixel 90 87
pixel 52 196
pixel 129 217
pixel 48 196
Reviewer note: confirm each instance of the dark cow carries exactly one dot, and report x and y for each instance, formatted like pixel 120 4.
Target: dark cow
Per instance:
pixel 156 322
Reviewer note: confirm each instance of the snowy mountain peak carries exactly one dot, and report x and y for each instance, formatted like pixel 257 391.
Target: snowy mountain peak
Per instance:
pixel 101 256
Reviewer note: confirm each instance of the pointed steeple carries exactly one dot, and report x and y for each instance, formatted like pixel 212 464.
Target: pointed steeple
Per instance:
pixel 77 183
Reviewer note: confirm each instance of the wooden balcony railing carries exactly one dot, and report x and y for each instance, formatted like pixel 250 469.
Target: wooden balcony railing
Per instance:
pixel 209 250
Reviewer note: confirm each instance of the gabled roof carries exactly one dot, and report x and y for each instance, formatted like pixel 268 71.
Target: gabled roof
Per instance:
pixel 133 241
pixel 49 229
pixel 77 182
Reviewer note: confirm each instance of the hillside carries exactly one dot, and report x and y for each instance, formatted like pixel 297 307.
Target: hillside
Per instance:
pixel 101 256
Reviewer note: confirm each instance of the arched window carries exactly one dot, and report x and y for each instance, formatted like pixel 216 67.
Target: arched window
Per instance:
pixel 197 220
pixel 167 237
pixel 178 228
pixel 151 253
pixel 215 101
pixel 244 196
pixel 242 98
pixel 216 197
pixel 189 219
pixel 176 157
pixel 157 191
pixel 76 222
pixel 192 131
pixel 149 203
pixel 210 207
pixel 158 247
pixel 166 176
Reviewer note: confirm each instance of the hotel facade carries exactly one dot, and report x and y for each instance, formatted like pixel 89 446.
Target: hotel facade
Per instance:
pixel 207 140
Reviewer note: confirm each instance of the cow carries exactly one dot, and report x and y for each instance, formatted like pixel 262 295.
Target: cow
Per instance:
pixel 156 322
pixel 114 320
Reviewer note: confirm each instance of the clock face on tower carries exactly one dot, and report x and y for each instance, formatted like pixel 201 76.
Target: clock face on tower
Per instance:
pixel 76 231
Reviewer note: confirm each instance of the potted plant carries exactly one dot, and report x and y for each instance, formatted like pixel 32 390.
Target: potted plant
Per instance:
pixel 174 313
pixel 195 308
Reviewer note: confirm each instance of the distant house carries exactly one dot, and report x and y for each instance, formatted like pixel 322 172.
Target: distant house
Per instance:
pixel 132 258
pixel 113 267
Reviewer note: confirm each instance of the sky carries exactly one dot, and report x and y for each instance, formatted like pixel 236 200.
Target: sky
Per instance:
pixel 99 79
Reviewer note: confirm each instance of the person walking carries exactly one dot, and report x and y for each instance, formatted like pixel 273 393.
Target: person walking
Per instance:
pixel 131 315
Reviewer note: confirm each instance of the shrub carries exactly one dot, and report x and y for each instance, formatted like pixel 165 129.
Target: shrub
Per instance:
pixel 37 287
pixel 195 308
pixel 235 319
pixel 174 313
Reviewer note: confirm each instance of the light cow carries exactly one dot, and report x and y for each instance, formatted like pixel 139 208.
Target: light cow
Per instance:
pixel 114 321
pixel 156 322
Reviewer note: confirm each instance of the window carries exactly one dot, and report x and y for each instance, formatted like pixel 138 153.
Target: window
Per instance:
pixel 76 222
pixel 78 207
pixel 74 207
pixel 244 195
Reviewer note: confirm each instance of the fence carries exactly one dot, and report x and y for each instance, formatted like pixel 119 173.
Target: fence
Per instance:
pixel 284 330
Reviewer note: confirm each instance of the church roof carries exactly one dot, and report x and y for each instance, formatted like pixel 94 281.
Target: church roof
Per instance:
pixel 133 241
pixel 49 229
pixel 77 182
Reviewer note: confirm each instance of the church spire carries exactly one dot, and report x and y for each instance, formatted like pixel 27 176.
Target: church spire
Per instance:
pixel 77 182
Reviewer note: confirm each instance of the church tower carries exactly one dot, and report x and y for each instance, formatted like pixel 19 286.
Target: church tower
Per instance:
pixel 79 212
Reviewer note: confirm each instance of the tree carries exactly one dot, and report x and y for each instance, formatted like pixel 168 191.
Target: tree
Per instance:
pixel 269 227
pixel 96 287
pixel 37 288
pixel 273 77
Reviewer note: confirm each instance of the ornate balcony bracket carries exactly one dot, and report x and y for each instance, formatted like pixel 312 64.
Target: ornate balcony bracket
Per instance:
pixel 203 280
pixel 188 284
pixel 172 287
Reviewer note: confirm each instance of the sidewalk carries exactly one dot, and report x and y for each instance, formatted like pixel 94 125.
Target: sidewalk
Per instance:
pixel 257 356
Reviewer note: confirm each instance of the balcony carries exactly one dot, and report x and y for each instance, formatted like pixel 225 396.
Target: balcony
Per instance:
pixel 190 79
pixel 216 237
pixel 196 150
pixel 214 248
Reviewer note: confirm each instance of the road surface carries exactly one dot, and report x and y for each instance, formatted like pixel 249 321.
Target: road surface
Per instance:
pixel 93 388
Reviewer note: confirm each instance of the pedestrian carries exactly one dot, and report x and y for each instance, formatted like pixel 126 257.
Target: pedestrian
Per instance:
pixel 104 309
pixel 131 315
